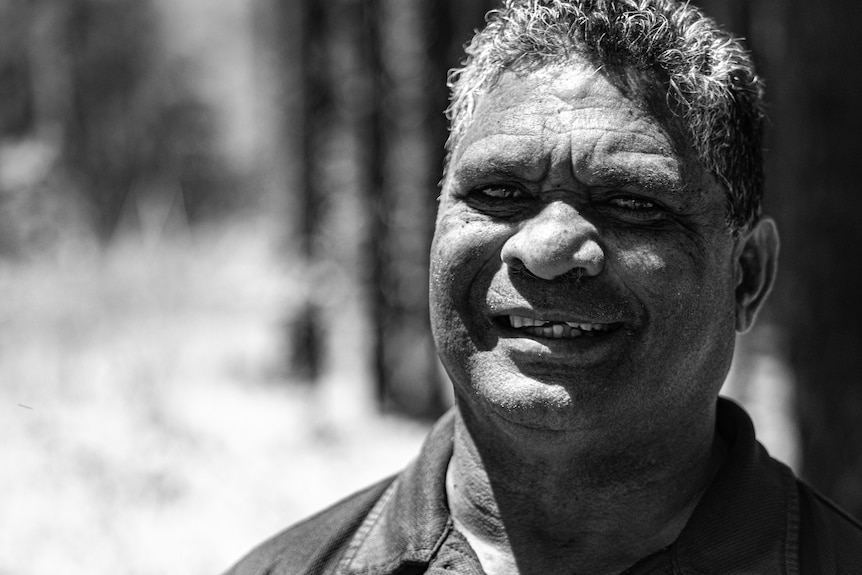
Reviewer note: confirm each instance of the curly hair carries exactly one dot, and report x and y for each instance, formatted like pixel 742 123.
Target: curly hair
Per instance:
pixel 706 76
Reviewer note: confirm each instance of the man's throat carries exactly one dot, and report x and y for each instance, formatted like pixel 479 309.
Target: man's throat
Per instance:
pixel 495 557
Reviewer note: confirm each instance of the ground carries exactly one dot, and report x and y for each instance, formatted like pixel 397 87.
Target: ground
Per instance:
pixel 149 425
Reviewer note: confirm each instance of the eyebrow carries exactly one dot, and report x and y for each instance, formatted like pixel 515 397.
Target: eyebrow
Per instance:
pixel 649 178
pixel 476 172
pixel 490 160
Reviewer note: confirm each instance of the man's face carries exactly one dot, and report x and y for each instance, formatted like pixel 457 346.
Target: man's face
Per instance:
pixel 582 273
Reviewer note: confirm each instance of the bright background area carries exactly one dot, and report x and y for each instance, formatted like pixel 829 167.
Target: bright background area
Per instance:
pixel 148 421
pixel 148 425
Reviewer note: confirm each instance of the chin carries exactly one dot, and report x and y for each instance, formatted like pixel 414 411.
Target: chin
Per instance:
pixel 542 403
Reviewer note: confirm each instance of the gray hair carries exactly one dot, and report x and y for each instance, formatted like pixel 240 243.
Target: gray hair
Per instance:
pixel 708 79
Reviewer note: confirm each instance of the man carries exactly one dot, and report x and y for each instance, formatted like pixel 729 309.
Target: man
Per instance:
pixel 599 241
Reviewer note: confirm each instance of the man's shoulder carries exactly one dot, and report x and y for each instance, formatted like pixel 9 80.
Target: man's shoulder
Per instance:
pixel 311 545
pixel 830 538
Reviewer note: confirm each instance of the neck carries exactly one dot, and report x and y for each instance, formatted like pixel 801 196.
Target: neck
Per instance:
pixel 543 511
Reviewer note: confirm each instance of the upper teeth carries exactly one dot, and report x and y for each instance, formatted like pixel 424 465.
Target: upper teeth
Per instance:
pixel 519 321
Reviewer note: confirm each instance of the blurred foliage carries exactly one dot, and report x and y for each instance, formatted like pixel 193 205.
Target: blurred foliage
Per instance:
pixel 97 117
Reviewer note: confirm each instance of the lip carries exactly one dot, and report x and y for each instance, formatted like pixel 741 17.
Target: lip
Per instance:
pixel 578 350
pixel 570 328
pixel 578 327
pixel 499 315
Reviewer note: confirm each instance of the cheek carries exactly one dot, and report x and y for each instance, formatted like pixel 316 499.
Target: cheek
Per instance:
pixel 682 279
pixel 652 273
pixel 643 259
pixel 688 299
pixel 463 245
pixel 459 252
pixel 675 256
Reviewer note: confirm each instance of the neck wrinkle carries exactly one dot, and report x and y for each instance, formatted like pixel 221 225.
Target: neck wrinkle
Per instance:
pixel 549 514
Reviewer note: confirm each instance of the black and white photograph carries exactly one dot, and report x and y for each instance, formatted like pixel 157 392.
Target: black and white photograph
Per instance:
pixel 403 287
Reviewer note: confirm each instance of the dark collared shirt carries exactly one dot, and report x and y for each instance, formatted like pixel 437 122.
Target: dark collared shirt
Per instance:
pixel 755 517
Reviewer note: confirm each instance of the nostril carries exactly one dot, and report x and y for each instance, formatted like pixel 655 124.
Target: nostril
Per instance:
pixel 518 267
pixel 516 264
pixel 511 256
pixel 525 271
pixel 574 274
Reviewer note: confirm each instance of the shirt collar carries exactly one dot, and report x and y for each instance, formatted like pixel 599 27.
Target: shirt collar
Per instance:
pixel 411 520
pixel 746 522
pixel 748 519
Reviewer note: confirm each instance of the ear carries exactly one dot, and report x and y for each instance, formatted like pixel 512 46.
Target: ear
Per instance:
pixel 756 264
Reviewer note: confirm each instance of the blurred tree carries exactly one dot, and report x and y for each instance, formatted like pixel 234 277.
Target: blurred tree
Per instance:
pixel 815 132
pixel 313 69
pixel 108 53
pixel 400 197
pixel 16 113
pixel 16 82
pixel 817 138
pixel 324 95
pixel 410 46
pixel 122 114
pixel 379 87
pixel 374 195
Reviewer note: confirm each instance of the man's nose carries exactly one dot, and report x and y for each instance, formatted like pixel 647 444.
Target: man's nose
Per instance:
pixel 554 242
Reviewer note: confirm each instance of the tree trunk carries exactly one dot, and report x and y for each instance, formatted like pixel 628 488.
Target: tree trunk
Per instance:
pixel 314 124
pixel 818 136
pixel 399 158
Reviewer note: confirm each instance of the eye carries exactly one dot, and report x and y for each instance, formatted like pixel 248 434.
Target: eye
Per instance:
pixel 498 200
pixel 634 204
pixel 500 192
pixel 636 209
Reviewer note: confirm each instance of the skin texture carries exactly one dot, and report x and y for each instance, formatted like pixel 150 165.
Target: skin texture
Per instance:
pixel 566 200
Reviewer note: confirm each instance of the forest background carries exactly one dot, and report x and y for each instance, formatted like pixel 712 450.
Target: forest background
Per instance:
pixel 214 225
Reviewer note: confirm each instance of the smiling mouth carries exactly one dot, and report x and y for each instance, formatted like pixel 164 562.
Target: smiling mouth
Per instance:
pixel 554 329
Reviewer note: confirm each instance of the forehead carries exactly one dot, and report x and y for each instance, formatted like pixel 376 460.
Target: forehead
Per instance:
pixel 569 113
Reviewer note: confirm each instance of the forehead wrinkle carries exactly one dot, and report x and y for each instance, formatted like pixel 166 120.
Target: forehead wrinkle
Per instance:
pixel 642 133
pixel 567 127
pixel 635 141
pixel 633 159
pixel 506 155
pixel 525 158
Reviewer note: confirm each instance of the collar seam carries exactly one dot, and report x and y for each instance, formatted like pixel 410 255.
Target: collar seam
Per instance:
pixel 447 529
pixel 364 530
pixel 679 570
pixel 792 525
